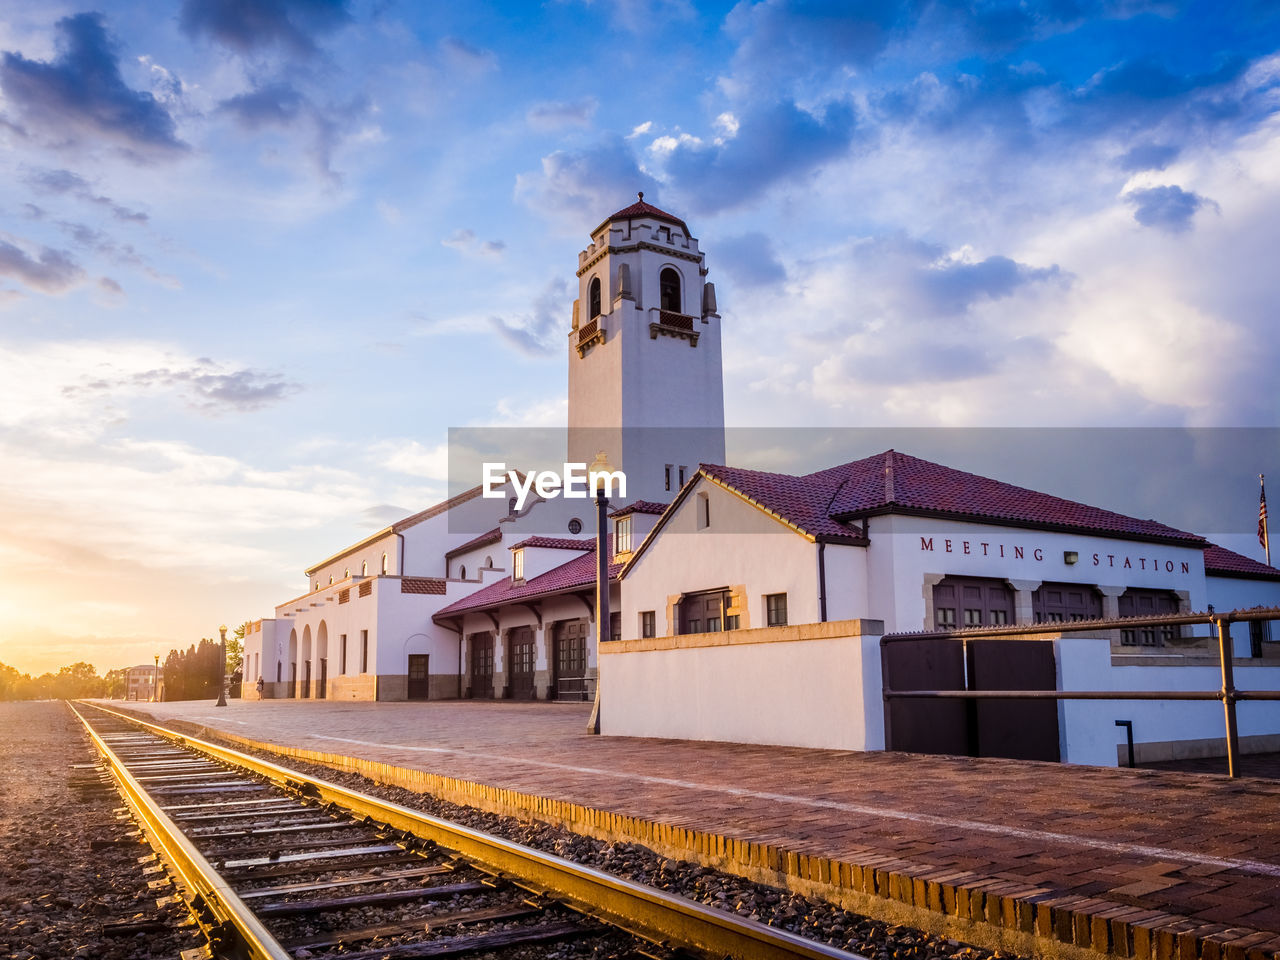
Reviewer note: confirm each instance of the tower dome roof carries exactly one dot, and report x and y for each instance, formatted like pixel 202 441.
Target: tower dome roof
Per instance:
pixel 642 209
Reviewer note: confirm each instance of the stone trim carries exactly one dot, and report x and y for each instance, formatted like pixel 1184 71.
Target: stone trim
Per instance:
pixel 832 629
pixel 1158 751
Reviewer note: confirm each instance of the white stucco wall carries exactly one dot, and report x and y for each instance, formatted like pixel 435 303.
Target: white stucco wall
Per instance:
pixel 899 560
pixel 1087 727
pixel 1229 593
pixel 743 546
pixel 748 686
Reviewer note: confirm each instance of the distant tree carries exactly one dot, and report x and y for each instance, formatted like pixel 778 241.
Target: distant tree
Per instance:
pixel 117 683
pixel 12 683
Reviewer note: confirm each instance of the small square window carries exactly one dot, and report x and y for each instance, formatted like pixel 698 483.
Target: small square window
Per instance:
pixel 647 623
pixel 775 605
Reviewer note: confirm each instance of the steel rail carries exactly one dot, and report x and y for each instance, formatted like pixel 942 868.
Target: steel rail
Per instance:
pixel 211 891
pixel 645 911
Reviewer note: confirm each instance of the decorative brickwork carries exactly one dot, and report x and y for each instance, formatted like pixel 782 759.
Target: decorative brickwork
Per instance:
pixel 429 585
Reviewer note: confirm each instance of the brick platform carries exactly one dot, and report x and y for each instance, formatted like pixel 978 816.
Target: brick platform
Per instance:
pixel 1057 859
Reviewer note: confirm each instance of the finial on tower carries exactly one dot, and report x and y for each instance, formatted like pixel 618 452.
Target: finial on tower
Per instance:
pixel 640 194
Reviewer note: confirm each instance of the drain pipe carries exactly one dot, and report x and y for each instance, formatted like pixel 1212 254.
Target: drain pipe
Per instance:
pixel 822 581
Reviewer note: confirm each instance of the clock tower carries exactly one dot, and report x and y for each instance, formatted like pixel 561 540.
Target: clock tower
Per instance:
pixel 645 378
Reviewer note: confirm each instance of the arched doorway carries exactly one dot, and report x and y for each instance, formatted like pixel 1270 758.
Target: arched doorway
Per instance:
pixel 322 660
pixel 306 662
pixel 293 664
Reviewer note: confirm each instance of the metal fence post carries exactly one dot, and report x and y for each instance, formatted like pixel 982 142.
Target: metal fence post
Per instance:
pixel 1223 624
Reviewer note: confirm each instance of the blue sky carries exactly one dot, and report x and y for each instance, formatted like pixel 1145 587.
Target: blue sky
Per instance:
pixel 257 256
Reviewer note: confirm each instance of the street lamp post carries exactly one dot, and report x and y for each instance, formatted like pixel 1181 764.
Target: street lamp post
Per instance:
pixel 155 682
pixel 222 671
pixel 601 464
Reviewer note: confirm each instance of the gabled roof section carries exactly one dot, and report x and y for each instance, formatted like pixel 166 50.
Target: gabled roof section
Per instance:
pixel 1221 562
pixel 492 536
pixel 578 573
pixel 640 506
pixel 803 503
pixel 641 209
pixel 399 526
pixel 893 482
pixel 556 543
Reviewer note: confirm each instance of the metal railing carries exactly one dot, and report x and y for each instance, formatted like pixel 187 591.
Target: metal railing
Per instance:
pixel 1228 694
pixel 576 688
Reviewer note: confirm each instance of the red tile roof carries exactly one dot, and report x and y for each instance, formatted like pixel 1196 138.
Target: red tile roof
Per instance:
pixel 642 209
pixel 556 543
pixel 640 506
pixel 1221 562
pixel 492 536
pixel 893 482
pixel 577 573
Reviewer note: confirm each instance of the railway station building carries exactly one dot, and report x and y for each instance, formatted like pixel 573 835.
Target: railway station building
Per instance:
pixel 741 599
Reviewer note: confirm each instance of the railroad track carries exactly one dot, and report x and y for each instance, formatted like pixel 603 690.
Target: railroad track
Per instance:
pixel 278 865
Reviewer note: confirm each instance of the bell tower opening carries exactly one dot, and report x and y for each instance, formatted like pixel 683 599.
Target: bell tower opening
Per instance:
pixel 669 290
pixel 593 299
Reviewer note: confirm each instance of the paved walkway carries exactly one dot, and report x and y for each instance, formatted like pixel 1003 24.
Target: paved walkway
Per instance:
pixel 1145 846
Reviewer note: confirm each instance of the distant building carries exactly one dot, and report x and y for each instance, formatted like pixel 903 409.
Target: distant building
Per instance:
pixel 141 682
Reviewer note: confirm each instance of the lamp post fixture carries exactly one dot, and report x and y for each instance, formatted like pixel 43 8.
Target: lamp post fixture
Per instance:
pixel 222 671
pixel 155 682
pixel 600 464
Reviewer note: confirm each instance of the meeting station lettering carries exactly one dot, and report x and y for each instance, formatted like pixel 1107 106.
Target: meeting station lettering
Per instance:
pixel 1015 552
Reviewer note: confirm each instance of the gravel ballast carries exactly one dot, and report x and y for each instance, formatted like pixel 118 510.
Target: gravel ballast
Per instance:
pixel 59 896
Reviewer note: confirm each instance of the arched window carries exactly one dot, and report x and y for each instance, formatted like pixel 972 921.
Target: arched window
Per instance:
pixel 669 290
pixel 488 561
pixel 346 574
pixel 364 568
pixel 462 572
pixel 593 299
pixel 331 579
pixel 385 565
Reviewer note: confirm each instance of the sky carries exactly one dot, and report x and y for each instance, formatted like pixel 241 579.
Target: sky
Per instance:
pixel 257 257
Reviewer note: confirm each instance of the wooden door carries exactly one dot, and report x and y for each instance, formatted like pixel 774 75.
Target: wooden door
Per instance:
pixel 482 666
pixel 418 676
pixel 322 684
pixel 306 679
pixel 570 660
pixel 520 661
pixel 1016 729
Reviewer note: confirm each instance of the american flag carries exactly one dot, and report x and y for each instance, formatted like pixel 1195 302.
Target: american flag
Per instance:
pixel 1262 516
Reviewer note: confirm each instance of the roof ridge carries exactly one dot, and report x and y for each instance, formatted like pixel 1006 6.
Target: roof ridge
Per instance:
pixel 889 491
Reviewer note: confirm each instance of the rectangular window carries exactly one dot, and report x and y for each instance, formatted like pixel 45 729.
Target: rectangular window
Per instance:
pixel 668 477
pixel 682 470
pixel 731 621
pixel 704 511
pixel 775 608
pixel 342 658
pixel 364 651
pixel 615 626
pixel 647 623
pixel 517 565
pixel 622 535
pixel 713 624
